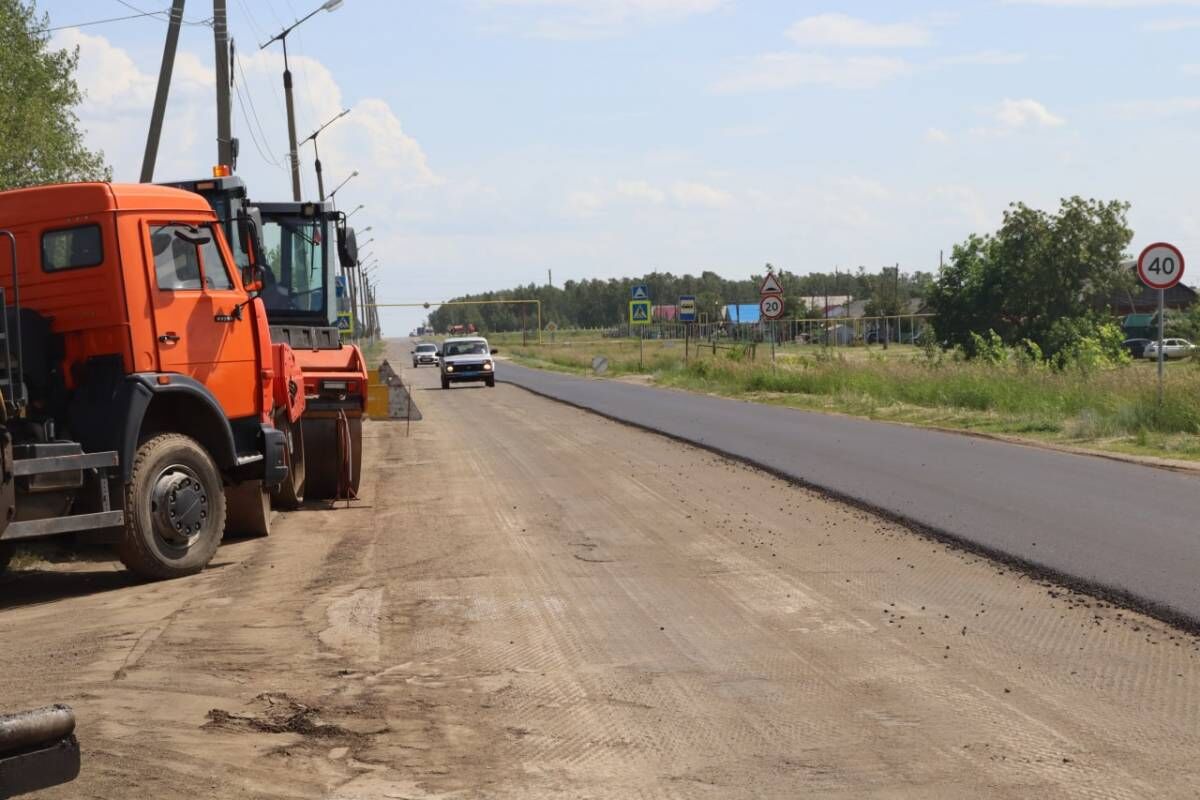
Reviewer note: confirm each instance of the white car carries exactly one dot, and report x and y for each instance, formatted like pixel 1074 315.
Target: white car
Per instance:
pixel 425 354
pixel 1171 348
pixel 467 358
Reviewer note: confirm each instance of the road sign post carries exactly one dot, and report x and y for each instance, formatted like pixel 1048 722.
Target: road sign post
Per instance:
pixel 639 314
pixel 770 304
pixel 1160 266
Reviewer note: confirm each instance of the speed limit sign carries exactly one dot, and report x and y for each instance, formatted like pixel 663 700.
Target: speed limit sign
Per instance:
pixel 771 306
pixel 1160 266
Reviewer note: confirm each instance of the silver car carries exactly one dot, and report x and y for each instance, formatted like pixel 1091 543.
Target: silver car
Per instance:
pixel 467 358
pixel 425 354
pixel 1171 348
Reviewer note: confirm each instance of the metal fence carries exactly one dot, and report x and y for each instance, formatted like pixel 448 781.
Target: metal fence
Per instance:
pixel 850 332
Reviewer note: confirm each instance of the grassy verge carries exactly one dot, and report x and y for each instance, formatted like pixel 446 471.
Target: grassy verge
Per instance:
pixel 1114 409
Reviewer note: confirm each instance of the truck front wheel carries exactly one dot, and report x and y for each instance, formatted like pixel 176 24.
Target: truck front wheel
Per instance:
pixel 6 554
pixel 174 509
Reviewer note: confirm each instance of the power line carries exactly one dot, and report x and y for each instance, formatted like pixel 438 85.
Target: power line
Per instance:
pixel 253 112
pixel 98 22
pixel 166 15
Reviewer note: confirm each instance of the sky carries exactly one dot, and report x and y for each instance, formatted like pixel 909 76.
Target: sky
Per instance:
pixel 502 142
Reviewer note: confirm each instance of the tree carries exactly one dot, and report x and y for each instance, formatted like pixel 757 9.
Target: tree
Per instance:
pixel 40 140
pixel 1037 271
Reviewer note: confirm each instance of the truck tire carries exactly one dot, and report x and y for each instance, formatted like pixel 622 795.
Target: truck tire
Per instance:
pixel 248 509
pixel 445 382
pixel 174 484
pixel 6 554
pixel 491 382
pixel 289 495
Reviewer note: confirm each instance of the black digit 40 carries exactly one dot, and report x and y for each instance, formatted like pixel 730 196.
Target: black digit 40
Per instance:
pixel 1162 266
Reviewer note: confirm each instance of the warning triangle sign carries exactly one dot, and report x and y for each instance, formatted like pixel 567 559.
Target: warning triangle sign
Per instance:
pixel 641 311
pixel 640 293
pixel 771 285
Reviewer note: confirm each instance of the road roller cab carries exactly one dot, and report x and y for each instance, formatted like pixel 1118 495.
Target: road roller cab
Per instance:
pixel 301 248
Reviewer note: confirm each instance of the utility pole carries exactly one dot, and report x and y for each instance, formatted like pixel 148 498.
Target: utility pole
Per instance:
pixel 281 37
pixel 164 88
pixel 225 146
pixel 549 278
pixel 312 137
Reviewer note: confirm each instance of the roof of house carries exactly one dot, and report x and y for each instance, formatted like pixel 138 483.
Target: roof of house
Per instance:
pixel 744 313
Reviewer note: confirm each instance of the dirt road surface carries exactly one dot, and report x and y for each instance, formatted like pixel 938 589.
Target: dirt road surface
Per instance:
pixel 531 601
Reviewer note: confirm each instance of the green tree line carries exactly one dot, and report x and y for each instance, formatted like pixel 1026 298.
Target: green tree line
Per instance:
pixel 598 303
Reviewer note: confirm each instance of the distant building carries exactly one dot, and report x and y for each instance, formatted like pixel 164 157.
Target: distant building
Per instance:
pixel 741 313
pixel 1144 300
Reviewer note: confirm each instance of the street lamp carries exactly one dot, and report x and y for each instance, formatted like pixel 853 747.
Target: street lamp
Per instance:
pixel 358 208
pixel 340 185
pixel 281 37
pixel 312 137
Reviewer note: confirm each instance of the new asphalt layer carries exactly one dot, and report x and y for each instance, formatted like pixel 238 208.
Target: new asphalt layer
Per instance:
pixel 1121 530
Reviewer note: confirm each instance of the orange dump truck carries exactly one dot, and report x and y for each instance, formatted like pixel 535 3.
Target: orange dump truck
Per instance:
pixel 139 384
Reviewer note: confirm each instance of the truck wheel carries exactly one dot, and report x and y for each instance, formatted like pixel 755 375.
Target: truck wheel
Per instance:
pixel 7 551
pixel 248 509
pixel 289 495
pixel 174 509
pixel 491 382
pixel 445 382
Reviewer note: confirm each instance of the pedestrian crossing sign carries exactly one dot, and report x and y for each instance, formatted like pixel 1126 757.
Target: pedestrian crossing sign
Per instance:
pixel 639 312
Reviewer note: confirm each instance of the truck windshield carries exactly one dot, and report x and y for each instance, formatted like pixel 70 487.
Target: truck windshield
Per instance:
pixel 297 260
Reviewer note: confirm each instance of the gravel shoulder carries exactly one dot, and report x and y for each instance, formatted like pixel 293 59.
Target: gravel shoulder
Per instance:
pixel 533 601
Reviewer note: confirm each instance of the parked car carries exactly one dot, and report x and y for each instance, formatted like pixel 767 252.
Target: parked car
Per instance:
pixel 1171 348
pixel 1136 347
pixel 425 354
pixel 467 358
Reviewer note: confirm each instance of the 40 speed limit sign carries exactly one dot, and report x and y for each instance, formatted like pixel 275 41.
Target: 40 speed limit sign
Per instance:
pixel 1160 266
pixel 771 306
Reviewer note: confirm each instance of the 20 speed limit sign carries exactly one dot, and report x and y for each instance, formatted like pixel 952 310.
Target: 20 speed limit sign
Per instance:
pixel 1160 266
pixel 771 306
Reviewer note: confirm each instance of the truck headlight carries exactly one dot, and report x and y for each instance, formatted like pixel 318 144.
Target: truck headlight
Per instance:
pixel 487 366
pixel 449 368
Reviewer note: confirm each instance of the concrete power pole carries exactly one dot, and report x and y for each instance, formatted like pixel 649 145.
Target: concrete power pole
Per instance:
pixel 164 88
pixel 226 150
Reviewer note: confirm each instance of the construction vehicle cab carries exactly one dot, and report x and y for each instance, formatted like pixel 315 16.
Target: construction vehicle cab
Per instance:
pixel 136 373
pixel 302 247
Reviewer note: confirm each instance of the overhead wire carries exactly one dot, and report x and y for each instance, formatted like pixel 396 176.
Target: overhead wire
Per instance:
pixel 262 148
pixel 97 22
pixel 166 15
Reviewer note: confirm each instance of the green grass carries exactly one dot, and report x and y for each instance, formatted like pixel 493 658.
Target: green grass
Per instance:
pixel 1112 409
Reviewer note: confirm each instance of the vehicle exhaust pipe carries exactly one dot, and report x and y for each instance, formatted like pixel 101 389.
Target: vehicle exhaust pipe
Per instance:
pixel 38 749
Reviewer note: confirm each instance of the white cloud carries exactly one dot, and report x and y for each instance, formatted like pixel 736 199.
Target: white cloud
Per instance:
pixel 641 191
pixel 936 136
pixel 776 71
pixel 692 194
pixel 985 58
pixel 841 30
pixel 583 19
pixel 1026 113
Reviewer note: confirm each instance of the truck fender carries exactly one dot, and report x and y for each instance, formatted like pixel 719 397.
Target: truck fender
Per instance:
pixel 206 420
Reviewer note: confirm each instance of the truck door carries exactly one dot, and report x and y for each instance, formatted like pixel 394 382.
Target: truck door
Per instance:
pixel 199 329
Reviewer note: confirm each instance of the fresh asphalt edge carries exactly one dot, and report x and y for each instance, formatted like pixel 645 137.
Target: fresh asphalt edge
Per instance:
pixel 1115 595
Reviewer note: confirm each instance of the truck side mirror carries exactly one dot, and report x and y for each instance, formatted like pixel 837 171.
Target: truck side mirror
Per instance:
pixel 495 350
pixel 248 241
pixel 347 247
